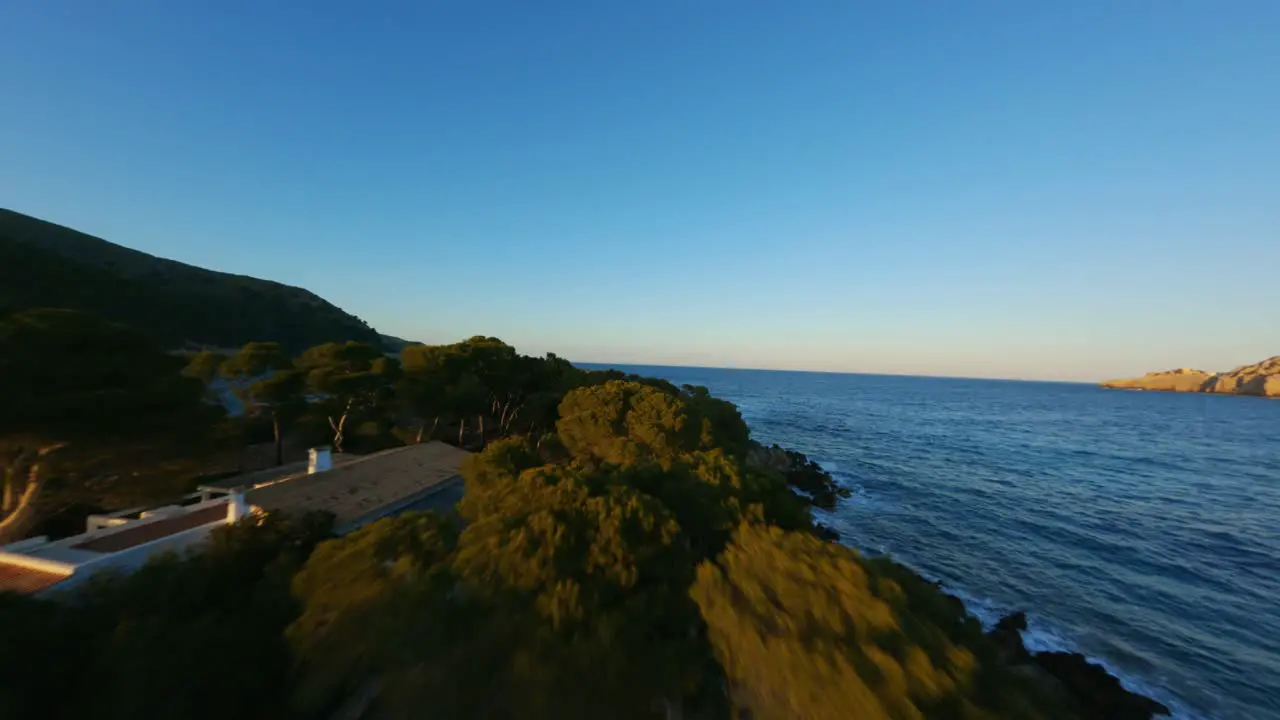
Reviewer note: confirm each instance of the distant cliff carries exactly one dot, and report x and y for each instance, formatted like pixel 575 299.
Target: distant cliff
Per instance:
pixel 1261 379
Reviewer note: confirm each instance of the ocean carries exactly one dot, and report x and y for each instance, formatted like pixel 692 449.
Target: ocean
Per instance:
pixel 1141 529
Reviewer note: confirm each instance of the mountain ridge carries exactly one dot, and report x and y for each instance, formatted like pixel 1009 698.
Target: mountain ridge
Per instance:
pixel 43 264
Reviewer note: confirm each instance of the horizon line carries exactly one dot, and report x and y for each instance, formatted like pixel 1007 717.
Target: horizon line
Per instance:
pixel 833 372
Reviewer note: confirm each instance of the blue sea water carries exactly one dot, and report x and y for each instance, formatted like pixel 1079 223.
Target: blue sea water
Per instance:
pixel 1142 529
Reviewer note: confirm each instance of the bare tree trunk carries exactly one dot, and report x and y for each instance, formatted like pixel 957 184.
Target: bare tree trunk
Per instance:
pixel 337 427
pixel 462 430
pixel 480 421
pixel 10 476
pixel 434 424
pixel 15 524
pixel 275 428
pixel 502 421
pixel 422 427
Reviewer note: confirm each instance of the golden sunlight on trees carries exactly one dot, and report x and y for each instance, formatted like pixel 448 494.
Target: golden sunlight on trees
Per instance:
pixel 809 629
pixel 592 578
pixel 624 422
pixel 373 603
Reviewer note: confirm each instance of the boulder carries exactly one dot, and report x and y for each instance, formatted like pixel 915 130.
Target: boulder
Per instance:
pixel 1007 637
pixel 826 533
pixel 773 458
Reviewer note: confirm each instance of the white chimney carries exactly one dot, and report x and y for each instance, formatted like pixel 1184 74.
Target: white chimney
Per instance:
pixel 236 508
pixel 319 459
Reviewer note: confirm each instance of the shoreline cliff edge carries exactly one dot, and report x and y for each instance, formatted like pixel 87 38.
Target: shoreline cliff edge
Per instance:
pixel 1260 379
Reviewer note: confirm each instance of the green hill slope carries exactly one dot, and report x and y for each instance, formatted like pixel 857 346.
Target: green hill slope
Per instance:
pixel 47 265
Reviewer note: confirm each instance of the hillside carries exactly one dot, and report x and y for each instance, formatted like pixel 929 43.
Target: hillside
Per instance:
pixel 1261 379
pixel 47 265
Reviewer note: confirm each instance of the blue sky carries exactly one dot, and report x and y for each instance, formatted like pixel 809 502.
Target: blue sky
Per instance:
pixel 1045 190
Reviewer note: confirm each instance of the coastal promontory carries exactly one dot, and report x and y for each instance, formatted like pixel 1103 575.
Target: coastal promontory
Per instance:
pixel 1261 379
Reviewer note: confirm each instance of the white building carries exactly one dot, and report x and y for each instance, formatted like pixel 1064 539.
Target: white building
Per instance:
pixel 121 541
pixel 356 490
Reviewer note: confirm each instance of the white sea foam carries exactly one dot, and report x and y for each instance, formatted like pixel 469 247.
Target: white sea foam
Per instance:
pixel 1043 637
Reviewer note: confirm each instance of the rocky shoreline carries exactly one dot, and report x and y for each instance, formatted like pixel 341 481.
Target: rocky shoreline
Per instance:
pixel 1086 689
pixel 1259 380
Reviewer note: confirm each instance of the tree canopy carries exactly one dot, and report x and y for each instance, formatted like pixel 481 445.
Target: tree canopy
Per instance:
pixel 348 378
pixel 807 628
pixel 70 376
pixel 87 394
pixel 624 423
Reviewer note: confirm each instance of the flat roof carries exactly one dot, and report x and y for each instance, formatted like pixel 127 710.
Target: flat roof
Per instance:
pixel 251 479
pixel 367 486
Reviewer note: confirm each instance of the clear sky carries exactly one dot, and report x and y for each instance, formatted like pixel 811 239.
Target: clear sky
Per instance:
pixel 1065 190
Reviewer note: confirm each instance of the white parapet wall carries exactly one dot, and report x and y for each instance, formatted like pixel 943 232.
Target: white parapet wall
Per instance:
pixel 76 558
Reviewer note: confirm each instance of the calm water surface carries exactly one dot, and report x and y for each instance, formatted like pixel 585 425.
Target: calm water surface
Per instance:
pixel 1142 529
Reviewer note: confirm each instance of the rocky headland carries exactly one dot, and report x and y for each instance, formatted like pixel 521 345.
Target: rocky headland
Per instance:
pixel 1260 379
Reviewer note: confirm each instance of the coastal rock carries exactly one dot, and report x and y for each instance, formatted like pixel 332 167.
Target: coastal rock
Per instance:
pixel 1260 379
pixel 774 457
pixel 1097 693
pixel 1087 687
pixel 1007 637
pixel 801 473
pixel 825 533
pixel 1180 380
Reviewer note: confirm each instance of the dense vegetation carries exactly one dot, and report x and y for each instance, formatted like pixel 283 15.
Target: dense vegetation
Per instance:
pixel 101 405
pixel 623 549
pixel 47 265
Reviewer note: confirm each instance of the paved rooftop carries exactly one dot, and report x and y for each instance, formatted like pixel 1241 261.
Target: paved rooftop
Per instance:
pixel 245 481
pixel 366 487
